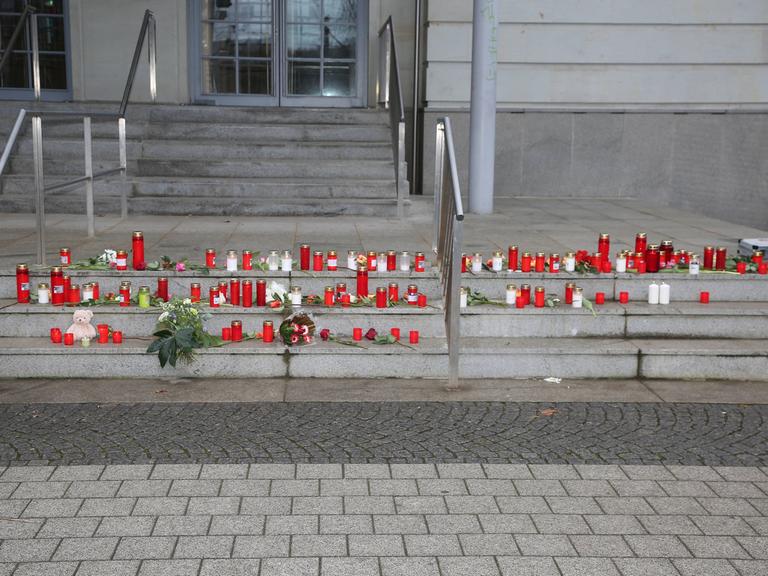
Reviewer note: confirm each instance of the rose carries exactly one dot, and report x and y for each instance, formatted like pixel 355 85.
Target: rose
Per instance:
pixel 325 334
pixel 180 267
pixel 371 334
pixel 307 339
pixel 294 339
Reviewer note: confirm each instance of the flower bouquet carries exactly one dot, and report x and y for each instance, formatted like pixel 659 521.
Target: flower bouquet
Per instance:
pixel 297 329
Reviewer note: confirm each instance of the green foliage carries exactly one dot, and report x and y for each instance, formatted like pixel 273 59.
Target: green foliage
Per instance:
pixel 180 332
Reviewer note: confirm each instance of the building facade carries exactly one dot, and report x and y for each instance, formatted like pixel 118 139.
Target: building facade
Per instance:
pixel 660 99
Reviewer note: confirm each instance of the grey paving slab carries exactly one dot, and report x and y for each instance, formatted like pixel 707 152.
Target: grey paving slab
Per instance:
pixel 347 524
pixel 272 471
pixel 244 487
pixel 27 550
pixel 349 567
pixel 290 567
pixel 182 525
pixel 203 547
pixel 157 506
pixel 85 549
pixel 52 507
pixel 409 567
pixel 93 489
pixel 479 566
pixel 318 505
pixel 511 566
pixel 314 545
pixel 756 546
pixel 70 527
pixel 169 568
pixel 366 471
pixel 573 505
pixel 646 567
pixel 709 567
pixel 376 545
pixel 344 487
pixel 193 488
pixel 173 471
pixel 669 525
pixel 298 524
pixel 140 548
pixel 229 567
pixel 11 528
pixel 523 504
pixel 213 505
pixel 751 567
pixel 544 545
pixel 453 524
pixel 657 546
pixel 432 545
pixel 261 546
pixel 47 569
pixel 265 505
pixel 560 524
pixel 393 487
pixel 40 490
pixel 224 471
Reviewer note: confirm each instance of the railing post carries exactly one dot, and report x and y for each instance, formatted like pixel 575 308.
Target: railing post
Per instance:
pixel 37 155
pixel 89 175
pixel 123 168
pixel 152 54
pixel 385 51
pixel 35 57
pixel 438 189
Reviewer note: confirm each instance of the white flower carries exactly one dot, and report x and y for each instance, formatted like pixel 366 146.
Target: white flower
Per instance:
pixel 163 316
pixel 187 301
pixel 110 256
pixel 276 291
pixel 194 312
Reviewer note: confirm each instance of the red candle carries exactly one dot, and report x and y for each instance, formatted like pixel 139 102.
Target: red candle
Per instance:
pixel 391 260
pixel 525 292
pixel 662 260
pixel 413 337
pixel 67 287
pixel 704 297
pixel 641 242
pixel 464 260
pixel 332 263
pixel 597 261
pixel 709 258
pixel 330 296
pixel 538 297
pixel 247 260
pixel 607 267
pixel 720 256
pixel 741 267
pixel 125 294
pixel 604 245
pixel 372 263
pixel 213 297
pixel 393 294
pixel 304 256
pixel 422 301
pixel 669 248
pixel 247 294
pixel 652 260
pixel 600 298
pixel 210 258
pixel 261 292
pixel 103 331
pixel 525 264
pixel 74 294
pixel 223 291
pixel 162 288
pixel 418 262
pixel 226 333
pixel 117 337
pixel 69 339
pixel 138 251
pixel 757 256
pixel 362 281
pixel 96 292
pixel 234 292
pixel 65 257
pixel 412 295
pixel 57 286
pixel 512 252
pixel 56 335
pixel 623 297
pixel 762 268
pixel 640 263
pixel 554 263
pixel 569 292
pixel 540 260
pixel 381 297
pixel 22 283
pixel 395 332
pixel 317 262
pixel 236 331
pixel 195 292
pixel 268 331
pixel 121 260
pixel 346 300
pixel 519 302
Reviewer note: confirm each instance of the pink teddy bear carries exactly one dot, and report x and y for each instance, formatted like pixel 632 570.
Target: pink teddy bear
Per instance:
pixel 81 325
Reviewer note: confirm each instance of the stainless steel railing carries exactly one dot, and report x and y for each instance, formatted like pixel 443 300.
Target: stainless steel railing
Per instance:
pixel 390 95
pixel 448 238
pixel 147 33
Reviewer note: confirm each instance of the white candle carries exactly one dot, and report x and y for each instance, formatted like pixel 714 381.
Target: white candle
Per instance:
pixel 664 291
pixel 653 293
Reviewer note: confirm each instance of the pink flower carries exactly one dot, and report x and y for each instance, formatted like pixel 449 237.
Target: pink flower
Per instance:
pixel 325 334
pixel 180 267
pixel 294 339
pixel 303 330
pixel 307 339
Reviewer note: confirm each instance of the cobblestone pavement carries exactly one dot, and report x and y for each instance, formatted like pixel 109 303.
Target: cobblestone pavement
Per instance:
pixel 591 433
pixel 383 520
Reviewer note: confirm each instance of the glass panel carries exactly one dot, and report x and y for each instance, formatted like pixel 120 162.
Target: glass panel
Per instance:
pixel 340 11
pixel 48 6
pixel 50 33
pixel 304 78
pixel 218 10
pixel 15 73
pixel 219 40
pixel 339 79
pixel 303 41
pixel 219 77
pixel 303 11
pixel 340 42
pixel 7 26
pixel 259 10
pixel 255 40
pixel 11 6
pixel 53 72
pixel 255 77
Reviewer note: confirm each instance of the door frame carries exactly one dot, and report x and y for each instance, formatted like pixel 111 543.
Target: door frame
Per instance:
pixel 279 67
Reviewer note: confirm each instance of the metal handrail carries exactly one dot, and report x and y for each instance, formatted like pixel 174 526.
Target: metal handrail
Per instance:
pixel 25 14
pixel 448 238
pixel 147 24
pixel 390 95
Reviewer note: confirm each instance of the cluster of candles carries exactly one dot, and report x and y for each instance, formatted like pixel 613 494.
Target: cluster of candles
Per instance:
pixel 234 333
pixel 646 258
pixel 102 336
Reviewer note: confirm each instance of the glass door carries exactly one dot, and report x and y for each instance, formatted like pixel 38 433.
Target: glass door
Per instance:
pixel 16 78
pixel 282 52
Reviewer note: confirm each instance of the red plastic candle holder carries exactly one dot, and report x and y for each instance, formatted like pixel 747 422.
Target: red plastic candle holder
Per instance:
pixel 69 339
pixel 623 297
pixel 704 297
pixel 56 335
pixel 395 332
pixel 226 333
pixel 600 298
pixel 357 334
pixel 117 337
pixel 413 336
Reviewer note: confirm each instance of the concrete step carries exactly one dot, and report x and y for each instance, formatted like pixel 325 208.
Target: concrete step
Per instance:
pixel 239 115
pixel 270 133
pixel 480 358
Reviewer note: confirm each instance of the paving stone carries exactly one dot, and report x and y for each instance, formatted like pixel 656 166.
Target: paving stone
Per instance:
pixel 300 524
pixel 25 550
pixel 736 490
pixel 588 488
pixel 409 567
pixel 295 488
pixel 187 525
pixel 7 488
pixel 46 569
pixel 657 546
pixel 11 528
pixel 195 488
pixel 6 569
pixel 540 488
pixel 554 472
pixel 12 508
pixel 432 545
pixel 345 487
pixel 709 567
pixel 572 505
pixel 346 524
pixel 158 506
pixel 140 548
pixel 261 546
pixel 31 474
pixel 751 567
pixel 507 524
pixel 624 505
pixel 244 487
pixel 742 473
pixel 136 488
pixel 224 471
pixel 93 489
pixel 169 568
pixel 759 525
pixel 523 504
pixel 399 524
pixel 319 471
pixel 229 567
pixel 460 471
pixel 126 472
pixel 314 545
pixel 511 566
pixel 176 471
pixel 492 487
pixel 442 486
pixel 471 504
pixel 272 471
pixel 699 473
pixel 40 490
pixel 369 505
pixel 587 567
pixel 600 546
pixel 85 549
pixel 393 487
pixel 508 471
pixel 349 567
pixel 366 471
pixel 760 504
pixel 728 525
pixel 544 545
pixel 318 505
pixel 637 488
pixel 235 525
pixel 375 545
pixel 560 524
pixel 213 505
pixel 266 505
pixel 614 524
pixel 69 527
pixel 682 505
pixel 413 471
pixel 691 488
pixel 646 567
pixel 645 472
pixel 203 547
pixel 488 544
pixel 477 566
pixel 600 472
pixel 669 525
pixel 453 524
pixel 728 506
pixel 757 546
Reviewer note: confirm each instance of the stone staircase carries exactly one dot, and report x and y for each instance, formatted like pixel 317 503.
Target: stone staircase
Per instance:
pixel 724 340
pixel 215 161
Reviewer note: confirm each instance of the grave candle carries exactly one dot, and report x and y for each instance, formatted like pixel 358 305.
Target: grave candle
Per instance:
pixel 362 282
pixel 213 297
pixel 304 256
pixel 210 258
pixel 317 261
pixel 65 256
pixel 511 294
pixel 554 263
pixel 268 331
pixel 709 258
pixel 231 261
pixel 236 331
pixel 162 288
pixel 43 293
pixel 578 297
pixel 419 262
pixel 195 292
pixel 512 254
pixel 720 257
pixel 405 262
pixel 496 261
pixel 22 283
pixel 333 261
pixel 330 296
pixel 144 296
pixel 538 297
pixel 286 262
pixel 393 292
pixel 121 260
pixel 540 260
pixel 569 262
pixel 247 294
pixel 138 250
pixel 381 297
pixel 234 292
pixel 124 296
pixel 641 242
pixel 247 260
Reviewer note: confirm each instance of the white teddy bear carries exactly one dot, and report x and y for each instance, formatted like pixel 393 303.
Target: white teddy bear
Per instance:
pixel 81 325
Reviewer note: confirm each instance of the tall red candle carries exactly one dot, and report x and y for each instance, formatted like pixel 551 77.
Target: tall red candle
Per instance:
pixel 512 253
pixel 247 293
pixel 304 256
pixel 195 292
pixel 329 296
pixel 138 251
pixel 234 292
pixel 709 258
pixel 720 256
pixel 538 297
pixel 569 292
pixel 317 262
pixel 372 263
pixel 554 263
pixel 268 332
pixel 125 294
pixel 236 331
pixel 463 263
pixel 74 294
pixel 247 260
pixel 162 288
pixel 22 283
pixel 362 282
pixel 261 292
pixel 652 258
pixel 391 260
pixel 393 292
pixel 381 297
pixel 525 292
pixel 57 286
pixel 525 262
pixel 210 258
pixel 641 242
pixel 213 297
pixel 604 245
pixel 332 261
pixel 540 261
